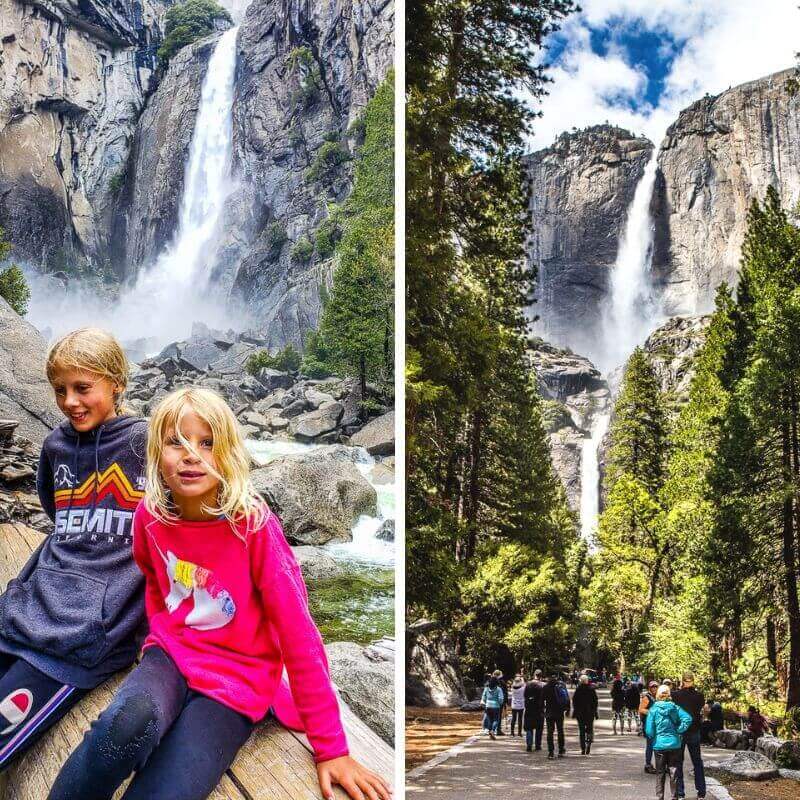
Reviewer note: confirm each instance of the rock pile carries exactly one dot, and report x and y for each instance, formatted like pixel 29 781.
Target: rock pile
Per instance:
pixel 18 462
pixel 270 403
pixel 744 766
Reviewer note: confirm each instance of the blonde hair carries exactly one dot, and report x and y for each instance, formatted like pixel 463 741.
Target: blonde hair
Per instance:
pixel 664 692
pixel 237 499
pixel 91 350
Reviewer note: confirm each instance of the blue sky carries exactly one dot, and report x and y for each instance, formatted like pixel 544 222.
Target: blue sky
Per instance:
pixel 637 63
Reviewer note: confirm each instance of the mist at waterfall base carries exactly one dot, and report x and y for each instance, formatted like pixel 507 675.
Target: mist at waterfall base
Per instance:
pixel 175 291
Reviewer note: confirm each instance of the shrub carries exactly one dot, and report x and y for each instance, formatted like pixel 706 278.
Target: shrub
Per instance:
pixel 302 63
pixel 302 250
pixel 315 357
pixel 285 360
pixel 188 22
pixel 326 162
pixel 117 182
pixel 276 238
pixel 14 289
pixel 331 136
pixel 326 237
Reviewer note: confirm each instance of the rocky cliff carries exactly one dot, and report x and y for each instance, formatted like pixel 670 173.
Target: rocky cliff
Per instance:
pixel 581 188
pixel 74 75
pixel 720 154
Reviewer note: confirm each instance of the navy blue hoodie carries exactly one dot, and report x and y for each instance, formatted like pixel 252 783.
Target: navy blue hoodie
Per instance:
pixel 76 611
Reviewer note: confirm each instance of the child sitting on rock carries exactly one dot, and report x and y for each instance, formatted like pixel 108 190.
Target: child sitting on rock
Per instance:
pixel 227 609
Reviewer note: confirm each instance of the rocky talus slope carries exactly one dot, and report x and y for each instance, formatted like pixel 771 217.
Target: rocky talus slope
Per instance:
pixel 74 75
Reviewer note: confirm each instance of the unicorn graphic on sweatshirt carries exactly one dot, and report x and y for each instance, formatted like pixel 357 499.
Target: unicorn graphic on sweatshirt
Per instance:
pixel 213 604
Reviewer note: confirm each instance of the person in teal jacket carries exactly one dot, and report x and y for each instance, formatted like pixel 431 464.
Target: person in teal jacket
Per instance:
pixel 666 724
pixel 492 701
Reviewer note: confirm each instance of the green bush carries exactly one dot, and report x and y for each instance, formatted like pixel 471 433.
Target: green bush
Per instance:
pixel 14 289
pixel 315 358
pixel 302 250
pixel 188 22
pixel 117 182
pixel 327 161
pixel 302 63
pixel 332 136
pixel 326 237
pixel 286 360
pixel 276 238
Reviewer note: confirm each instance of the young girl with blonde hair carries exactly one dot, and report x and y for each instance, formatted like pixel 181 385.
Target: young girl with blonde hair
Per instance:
pixel 74 615
pixel 228 609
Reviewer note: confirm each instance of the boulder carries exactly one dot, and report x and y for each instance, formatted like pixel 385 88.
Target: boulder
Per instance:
pixel 367 685
pixel 25 393
pixel 730 739
pixel 382 474
pixel 781 751
pixel 317 564
pixel 386 531
pixel 318 496
pixel 272 400
pixel 273 379
pixel 201 353
pixel 315 399
pixel 254 418
pixel 472 705
pixel 744 766
pixel 307 427
pixel 433 674
pixel 382 650
pixel 377 436
pixel 294 408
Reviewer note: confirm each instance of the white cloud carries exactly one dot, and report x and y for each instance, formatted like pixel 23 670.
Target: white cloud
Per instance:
pixel 721 44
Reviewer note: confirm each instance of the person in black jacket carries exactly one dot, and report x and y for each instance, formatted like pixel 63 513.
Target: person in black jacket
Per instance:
pixel 618 703
pixel 692 701
pixel 633 695
pixel 556 705
pixel 584 709
pixel 534 711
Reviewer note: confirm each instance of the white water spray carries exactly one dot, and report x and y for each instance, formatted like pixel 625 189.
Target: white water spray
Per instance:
pixel 590 475
pixel 632 310
pixel 174 291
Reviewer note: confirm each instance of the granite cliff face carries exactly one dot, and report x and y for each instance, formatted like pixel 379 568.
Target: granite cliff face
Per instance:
pixel 720 154
pixel 74 75
pixel 581 188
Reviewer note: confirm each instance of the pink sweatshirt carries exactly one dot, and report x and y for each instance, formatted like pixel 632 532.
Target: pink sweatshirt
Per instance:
pixel 231 615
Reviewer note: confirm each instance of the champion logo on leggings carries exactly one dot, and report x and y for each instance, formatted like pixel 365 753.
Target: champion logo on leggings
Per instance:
pixel 15 707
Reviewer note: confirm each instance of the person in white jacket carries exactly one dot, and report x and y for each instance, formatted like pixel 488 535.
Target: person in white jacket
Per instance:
pixel 517 702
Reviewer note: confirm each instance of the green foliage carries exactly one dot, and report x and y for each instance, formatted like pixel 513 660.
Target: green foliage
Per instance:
pixel 326 237
pixel 276 238
pixel 305 70
pixel 187 22
pixel 285 360
pixel 117 182
pixel 357 321
pixel 303 250
pixel 326 163
pixel 315 357
pixel 331 136
pixel 479 480
pixel 14 289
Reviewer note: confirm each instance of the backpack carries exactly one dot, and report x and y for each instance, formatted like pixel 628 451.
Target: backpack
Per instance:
pixel 563 697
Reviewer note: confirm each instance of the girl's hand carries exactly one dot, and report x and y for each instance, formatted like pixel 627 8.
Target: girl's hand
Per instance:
pixel 359 782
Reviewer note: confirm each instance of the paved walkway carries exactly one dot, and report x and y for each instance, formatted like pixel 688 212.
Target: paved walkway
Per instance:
pixel 504 770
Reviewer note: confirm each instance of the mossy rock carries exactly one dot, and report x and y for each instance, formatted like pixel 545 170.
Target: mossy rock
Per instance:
pixel 275 763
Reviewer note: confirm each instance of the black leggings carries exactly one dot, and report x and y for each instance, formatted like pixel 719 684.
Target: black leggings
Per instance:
pixel 171 736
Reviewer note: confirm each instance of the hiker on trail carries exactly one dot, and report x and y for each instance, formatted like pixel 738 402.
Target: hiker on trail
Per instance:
pixel 498 675
pixel 556 705
pixel 757 726
pixel 492 701
pixel 666 724
pixel 714 722
pixel 517 702
pixel 618 703
pixel 584 709
pixel 534 711
pixel 648 698
pixel 691 701
pixel 632 698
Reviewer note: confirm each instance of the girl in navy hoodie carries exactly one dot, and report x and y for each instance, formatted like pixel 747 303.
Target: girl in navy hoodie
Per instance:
pixel 74 615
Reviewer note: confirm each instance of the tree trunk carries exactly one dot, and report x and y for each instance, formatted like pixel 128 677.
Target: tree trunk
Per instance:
pixel 362 375
pixel 789 566
pixel 474 482
pixel 772 645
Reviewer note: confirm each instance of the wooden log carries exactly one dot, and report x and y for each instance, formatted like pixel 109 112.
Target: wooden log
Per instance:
pixel 274 764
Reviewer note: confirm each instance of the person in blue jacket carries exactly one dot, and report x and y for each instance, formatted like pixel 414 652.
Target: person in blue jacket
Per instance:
pixel 666 724
pixel 492 701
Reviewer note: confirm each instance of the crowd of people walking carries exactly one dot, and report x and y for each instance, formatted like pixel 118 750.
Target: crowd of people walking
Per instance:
pixel 671 719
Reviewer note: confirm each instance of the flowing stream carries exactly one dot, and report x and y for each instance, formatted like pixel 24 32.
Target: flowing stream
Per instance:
pixel 358 606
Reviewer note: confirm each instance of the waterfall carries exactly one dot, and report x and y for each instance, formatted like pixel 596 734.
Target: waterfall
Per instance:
pixel 590 474
pixel 174 291
pixel 631 311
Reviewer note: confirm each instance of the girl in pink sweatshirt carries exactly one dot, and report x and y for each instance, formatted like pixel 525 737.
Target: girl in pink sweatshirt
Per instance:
pixel 227 609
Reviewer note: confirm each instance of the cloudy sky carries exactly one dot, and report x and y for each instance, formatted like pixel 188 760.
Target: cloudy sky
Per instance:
pixel 637 63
